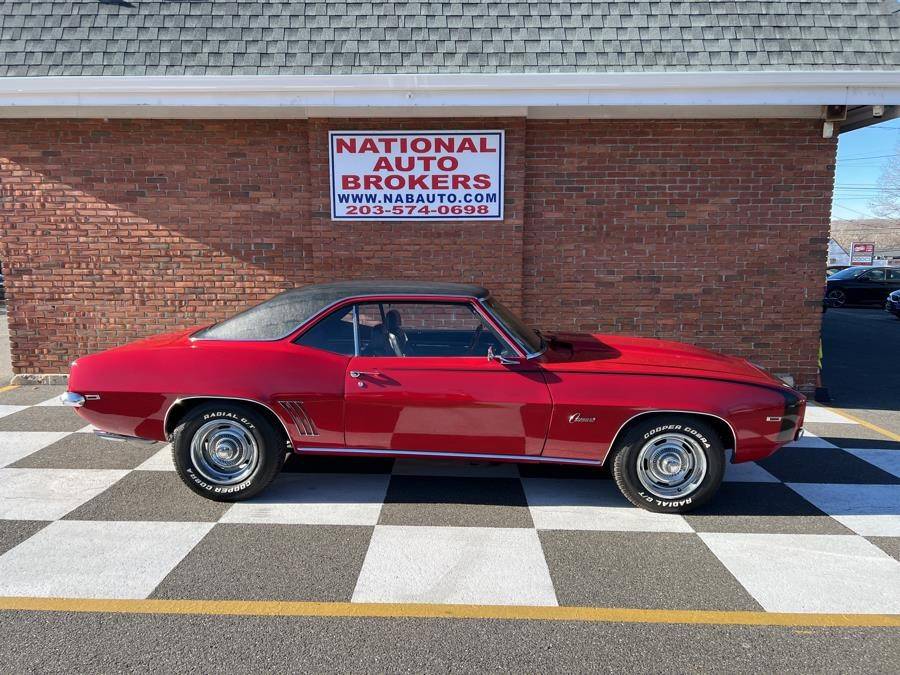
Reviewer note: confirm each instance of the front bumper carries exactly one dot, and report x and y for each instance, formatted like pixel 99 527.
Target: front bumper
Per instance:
pixel 892 307
pixel 70 398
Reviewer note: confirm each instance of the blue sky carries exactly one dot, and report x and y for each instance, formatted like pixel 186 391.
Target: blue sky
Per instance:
pixel 860 158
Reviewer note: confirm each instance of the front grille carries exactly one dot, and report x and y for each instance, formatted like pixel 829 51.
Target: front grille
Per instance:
pixel 301 419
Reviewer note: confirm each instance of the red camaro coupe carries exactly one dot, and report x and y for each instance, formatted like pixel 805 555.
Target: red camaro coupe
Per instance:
pixel 432 370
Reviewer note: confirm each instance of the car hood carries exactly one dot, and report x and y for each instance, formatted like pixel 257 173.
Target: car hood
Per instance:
pixel 615 353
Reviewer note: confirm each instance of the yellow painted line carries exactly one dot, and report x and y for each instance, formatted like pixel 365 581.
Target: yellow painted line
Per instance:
pixel 9 387
pixel 867 425
pixel 424 611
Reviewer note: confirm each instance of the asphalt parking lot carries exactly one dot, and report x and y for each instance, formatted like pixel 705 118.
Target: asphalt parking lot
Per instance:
pixel 534 565
pixel 108 563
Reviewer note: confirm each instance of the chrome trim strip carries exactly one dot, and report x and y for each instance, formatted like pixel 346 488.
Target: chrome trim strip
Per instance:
pixel 684 412
pixel 462 455
pixel 71 399
pixel 109 436
pixel 226 398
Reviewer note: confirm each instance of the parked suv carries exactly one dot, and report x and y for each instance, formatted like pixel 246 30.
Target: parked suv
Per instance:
pixel 861 286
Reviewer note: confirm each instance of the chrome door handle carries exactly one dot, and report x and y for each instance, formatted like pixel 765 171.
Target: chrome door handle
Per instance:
pixel 360 373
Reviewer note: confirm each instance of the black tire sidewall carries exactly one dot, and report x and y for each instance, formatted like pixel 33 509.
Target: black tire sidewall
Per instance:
pixel 271 451
pixel 625 463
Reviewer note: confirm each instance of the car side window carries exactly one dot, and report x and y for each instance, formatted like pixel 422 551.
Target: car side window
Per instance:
pixel 893 275
pixel 875 275
pixel 404 329
pixel 334 333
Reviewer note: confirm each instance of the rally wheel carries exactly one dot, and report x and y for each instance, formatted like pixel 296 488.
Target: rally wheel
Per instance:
pixel 227 452
pixel 669 463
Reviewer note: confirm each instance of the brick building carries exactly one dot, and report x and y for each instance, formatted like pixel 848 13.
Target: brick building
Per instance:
pixel 667 166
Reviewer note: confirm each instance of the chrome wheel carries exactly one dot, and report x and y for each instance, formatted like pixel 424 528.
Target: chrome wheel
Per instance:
pixel 837 298
pixel 224 452
pixel 672 465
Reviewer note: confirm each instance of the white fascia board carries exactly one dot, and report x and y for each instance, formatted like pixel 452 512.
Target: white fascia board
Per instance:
pixel 455 90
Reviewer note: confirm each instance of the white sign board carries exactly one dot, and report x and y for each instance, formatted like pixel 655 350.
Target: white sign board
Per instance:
pixel 416 175
pixel 862 253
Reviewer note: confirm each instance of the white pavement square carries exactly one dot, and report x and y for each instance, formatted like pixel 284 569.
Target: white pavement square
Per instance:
pixel 159 461
pixel 455 565
pixel 886 460
pixel 51 402
pixel 818 415
pixel 49 494
pixel 811 572
pixel 315 499
pixel 747 472
pixel 869 510
pixel 14 445
pixel 97 559
pixel 10 409
pixel 810 440
pixel 572 504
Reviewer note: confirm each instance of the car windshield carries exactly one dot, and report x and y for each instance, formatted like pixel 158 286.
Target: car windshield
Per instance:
pixel 528 339
pixel 849 273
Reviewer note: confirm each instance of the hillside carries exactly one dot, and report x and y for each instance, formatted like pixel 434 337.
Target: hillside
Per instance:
pixel 885 233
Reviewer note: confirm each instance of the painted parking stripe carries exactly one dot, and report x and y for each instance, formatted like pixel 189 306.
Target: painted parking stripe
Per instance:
pixel 425 611
pixel 868 425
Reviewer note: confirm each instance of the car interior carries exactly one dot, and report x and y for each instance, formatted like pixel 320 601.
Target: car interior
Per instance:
pixel 406 329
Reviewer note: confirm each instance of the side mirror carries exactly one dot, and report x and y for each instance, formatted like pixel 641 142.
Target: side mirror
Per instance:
pixel 499 358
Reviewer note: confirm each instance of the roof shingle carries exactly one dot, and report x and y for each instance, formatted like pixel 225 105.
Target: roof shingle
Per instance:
pixel 266 37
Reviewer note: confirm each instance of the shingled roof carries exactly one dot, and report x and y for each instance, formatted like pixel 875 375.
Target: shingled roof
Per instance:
pixel 250 37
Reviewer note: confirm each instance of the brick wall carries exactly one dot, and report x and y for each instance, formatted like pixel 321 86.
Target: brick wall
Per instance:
pixel 713 232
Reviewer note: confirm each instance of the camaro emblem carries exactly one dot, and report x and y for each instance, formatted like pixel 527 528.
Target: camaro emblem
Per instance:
pixel 576 417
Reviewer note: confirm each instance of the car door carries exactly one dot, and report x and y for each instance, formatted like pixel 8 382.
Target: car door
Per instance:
pixel 893 281
pixel 873 288
pixel 423 382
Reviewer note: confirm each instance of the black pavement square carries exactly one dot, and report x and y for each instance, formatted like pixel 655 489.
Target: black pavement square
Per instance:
pixel 577 471
pixel 334 464
pixel 641 570
pixel 824 465
pixel 14 532
pixel 149 495
pixel 762 508
pixel 890 545
pixel 271 562
pixel 43 418
pixel 87 451
pixel 455 502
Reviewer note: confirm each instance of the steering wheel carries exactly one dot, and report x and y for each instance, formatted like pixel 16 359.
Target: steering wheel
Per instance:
pixel 476 336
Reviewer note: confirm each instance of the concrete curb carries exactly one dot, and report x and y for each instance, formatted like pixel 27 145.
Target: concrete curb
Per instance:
pixel 40 378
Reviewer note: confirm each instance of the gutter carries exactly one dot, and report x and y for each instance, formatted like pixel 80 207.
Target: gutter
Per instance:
pixel 519 91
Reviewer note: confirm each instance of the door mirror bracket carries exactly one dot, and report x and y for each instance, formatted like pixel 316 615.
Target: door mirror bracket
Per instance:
pixel 499 358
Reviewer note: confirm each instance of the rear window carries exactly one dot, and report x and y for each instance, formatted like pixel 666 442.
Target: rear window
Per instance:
pixel 274 319
pixel 849 273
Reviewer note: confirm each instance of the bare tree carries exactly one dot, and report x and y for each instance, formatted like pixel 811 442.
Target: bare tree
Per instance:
pixel 887 203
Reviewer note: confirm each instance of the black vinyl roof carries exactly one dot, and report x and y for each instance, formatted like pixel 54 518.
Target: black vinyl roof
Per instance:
pixel 279 316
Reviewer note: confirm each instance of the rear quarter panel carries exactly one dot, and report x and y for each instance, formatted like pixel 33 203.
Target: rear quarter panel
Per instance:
pixel 614 399
pixel 137 386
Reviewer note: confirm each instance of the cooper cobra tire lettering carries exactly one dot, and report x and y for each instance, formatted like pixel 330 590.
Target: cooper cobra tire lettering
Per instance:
pixel 269 440
pixel 624 462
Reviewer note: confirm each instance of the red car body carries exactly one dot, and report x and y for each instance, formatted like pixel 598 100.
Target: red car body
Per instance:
pixel 567 404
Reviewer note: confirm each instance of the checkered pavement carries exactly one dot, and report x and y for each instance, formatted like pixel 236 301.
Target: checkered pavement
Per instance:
pixel 815 528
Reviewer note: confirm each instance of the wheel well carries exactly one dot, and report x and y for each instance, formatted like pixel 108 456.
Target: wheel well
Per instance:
pixel 719 425
pixel 182 407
